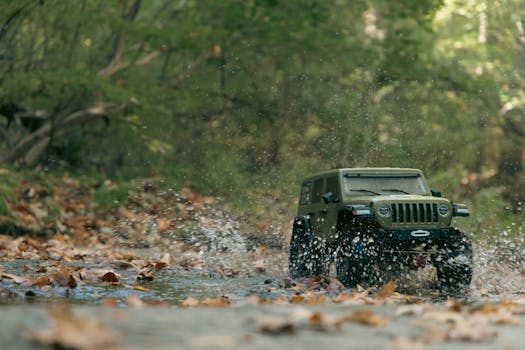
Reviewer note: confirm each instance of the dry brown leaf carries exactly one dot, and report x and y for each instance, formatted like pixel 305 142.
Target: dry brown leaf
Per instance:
pixel 160 265
pixel 14 278
pixel 68 331
pixel 475 329
pixel 40 282
pixel 296 299
pixel 443 316
pixel 316 299
pixel 412 310
pixel 42 269
pixel 162 225
pixel 366 317
pixel 63 277
pixel 134 301
pixel 498 315
pixel 339 298
pixel 386 290
pixel 401 343
pixel 109 302
pixel 275 325
pixel 260 265
pixel 190 302
pixel 219 302
pixel 454 305
pixel 125 213
pixel 145 276
pixel 110 276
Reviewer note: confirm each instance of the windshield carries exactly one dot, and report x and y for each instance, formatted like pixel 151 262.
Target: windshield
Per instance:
pixel 384 184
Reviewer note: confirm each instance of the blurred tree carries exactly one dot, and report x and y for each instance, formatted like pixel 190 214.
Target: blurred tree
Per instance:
pixel 225 93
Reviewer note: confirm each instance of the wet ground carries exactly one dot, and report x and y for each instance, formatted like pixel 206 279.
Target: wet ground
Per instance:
pixel 246 323
pixel 238 328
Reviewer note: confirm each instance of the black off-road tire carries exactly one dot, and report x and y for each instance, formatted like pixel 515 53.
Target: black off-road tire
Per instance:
pixel 307 252
pixel 348 270
pixel 354 258
pixel 454 271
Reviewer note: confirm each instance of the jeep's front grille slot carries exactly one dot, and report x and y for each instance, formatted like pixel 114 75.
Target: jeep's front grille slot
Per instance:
pixel 406 213
pixel 394 213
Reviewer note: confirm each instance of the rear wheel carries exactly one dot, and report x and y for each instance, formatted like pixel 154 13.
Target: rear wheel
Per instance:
pixel 454 271
pixel 307 253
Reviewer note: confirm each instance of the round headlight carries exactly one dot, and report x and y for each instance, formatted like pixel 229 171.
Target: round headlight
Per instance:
pixel 443 209
pixel 384 210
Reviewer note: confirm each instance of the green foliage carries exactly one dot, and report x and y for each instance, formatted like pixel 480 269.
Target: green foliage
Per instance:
pixel 4 206
pixel 225 95
pixel 110 196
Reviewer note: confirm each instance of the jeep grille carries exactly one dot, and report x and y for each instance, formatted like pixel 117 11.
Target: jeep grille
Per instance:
pixel 414 212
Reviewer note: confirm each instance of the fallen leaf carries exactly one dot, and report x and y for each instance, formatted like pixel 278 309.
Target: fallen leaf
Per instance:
pixel 142 289
pixel 162 225
pixel 40 282
pixel 125 213
pixel 190 302
pixel 63 277
pixel 366 317
pixel 412 310
pixel 475 329
pixel 443 316
pixel 134 301
pixel 109 302
pixel 454 305
pixel 145 276
pixel 213 342
pixel 68 331
pixel 219 302
pixel 296 299
pixel 275 325
pixel 14 278
pixel 386 290
pixel 160 265
pixel 401 343
pixel 110 276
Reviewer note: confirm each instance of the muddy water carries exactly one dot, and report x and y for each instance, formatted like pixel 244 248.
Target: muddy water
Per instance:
pixel 498 274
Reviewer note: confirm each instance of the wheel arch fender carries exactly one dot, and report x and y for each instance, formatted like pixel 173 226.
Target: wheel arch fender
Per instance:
pixel 302 226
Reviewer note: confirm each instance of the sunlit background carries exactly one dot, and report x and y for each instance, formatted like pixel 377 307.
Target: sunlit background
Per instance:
pixel 241 99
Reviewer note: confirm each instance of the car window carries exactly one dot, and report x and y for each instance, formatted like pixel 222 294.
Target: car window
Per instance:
pixel 386 184
pixel 306 193
pixel 332 185
pixel 317 190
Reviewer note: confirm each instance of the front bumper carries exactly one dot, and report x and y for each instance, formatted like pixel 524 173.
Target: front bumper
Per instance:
pixel 414 236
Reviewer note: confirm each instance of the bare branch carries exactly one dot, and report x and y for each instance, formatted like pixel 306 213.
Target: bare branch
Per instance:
pixel 115 67
pixel 55 128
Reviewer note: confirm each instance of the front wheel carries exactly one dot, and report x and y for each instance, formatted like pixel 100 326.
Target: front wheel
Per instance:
pixel 353 261
pixel 454 271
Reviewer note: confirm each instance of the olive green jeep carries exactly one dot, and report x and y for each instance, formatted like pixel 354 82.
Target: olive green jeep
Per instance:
pixel 373 220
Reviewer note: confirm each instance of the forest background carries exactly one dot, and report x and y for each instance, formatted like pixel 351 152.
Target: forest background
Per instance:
pixel 240 99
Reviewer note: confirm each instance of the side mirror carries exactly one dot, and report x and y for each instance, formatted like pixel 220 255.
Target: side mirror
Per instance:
pixel 329 197
pixel 435 193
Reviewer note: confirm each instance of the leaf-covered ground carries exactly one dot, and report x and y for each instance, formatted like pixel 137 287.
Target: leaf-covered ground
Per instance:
pixel 67 243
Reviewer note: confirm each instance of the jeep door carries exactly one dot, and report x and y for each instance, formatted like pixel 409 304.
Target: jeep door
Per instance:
pixel 330 211
pixel 323 216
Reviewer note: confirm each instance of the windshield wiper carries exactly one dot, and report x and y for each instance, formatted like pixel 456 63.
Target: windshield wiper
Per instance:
pixel 362 190
pixel 395 190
